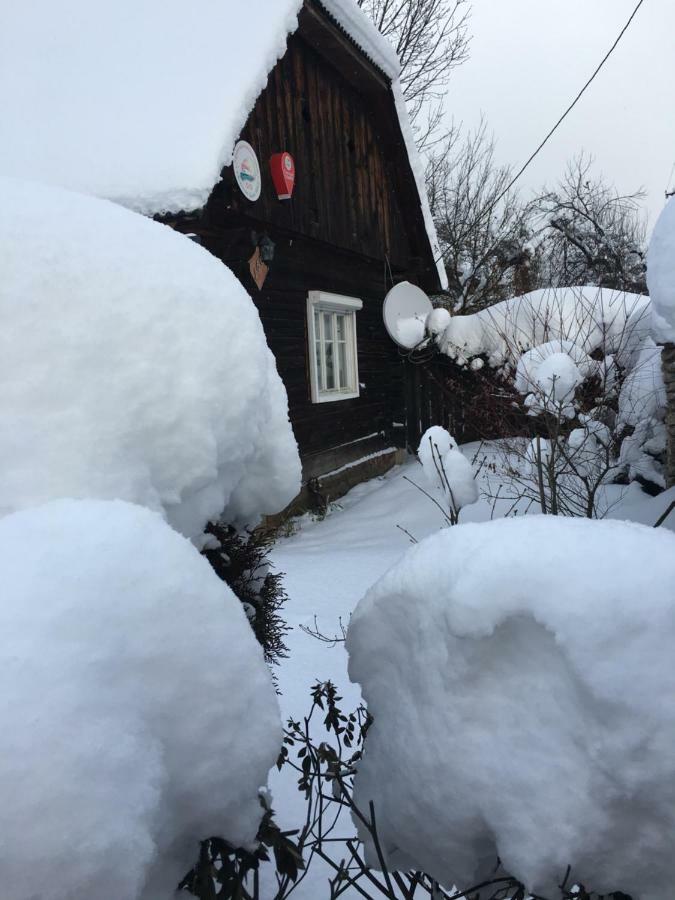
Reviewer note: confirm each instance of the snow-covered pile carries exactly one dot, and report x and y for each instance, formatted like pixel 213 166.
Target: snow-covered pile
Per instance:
pixel 519 673
pixel 642 409
pixel 550 373
pixel 589 317
pixel 133 365
pixel 128 676
pixel 446 469
pixel 661 273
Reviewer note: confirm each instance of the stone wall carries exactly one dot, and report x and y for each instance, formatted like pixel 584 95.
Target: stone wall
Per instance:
pixel 668 361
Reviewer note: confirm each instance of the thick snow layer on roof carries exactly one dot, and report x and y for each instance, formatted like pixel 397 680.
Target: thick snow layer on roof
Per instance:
pixel 133 365
pixel 137 102
pixel 129 673
pixel 661 273
pixel 589 317
pixel 515 671
pixel 142 103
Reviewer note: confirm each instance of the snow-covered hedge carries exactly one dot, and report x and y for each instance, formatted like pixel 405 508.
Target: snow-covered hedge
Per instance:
pixel 661 273
pixel 133 365
pixel 519 673
pixel 589 317
pixel 128 675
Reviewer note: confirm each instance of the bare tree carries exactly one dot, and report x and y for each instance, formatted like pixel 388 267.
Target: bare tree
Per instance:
pixel 594 234
pixel 484 239
pixel 431 38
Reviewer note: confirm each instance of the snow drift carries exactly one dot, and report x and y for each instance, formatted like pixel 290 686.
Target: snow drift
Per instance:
pixel 661 273
pixel 134 366
pixel 128 675
pixel 520 676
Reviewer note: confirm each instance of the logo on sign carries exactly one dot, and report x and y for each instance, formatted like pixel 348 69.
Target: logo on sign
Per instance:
pixel 282 168
pixel 246 170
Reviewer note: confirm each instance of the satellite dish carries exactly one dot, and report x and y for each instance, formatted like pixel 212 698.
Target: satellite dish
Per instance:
pixel 405 312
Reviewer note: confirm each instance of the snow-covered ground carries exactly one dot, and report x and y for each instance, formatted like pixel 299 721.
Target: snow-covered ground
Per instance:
pixel 330 563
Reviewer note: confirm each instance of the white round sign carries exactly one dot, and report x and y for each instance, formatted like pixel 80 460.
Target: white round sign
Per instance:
pixel 246 170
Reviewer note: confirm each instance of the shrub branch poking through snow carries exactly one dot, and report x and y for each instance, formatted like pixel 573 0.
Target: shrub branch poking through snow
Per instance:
pixel 137 714
pixel 448 471
pixel 521 712
pixel 134 366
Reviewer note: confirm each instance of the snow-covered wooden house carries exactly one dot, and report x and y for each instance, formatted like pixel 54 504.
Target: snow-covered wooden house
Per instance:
pixel 182 112
pixel 319 262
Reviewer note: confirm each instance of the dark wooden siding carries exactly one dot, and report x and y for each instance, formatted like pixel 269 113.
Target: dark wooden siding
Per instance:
pixel 300 266
pixel 345 190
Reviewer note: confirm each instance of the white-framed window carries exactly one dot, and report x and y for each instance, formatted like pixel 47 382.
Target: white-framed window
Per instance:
pixel 333 363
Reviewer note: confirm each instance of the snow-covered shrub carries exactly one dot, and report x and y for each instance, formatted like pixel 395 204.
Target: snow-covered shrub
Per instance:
pixel 641 412
pixel 133 366
pixel 447 470
pixel 568 353
pixel 549 374
pixel 591 318
pixel 524 711
pixel 661 273
pixel 242 560
pixel 137 714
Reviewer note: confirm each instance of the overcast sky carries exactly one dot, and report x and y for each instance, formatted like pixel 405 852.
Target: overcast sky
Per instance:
pixel 530 57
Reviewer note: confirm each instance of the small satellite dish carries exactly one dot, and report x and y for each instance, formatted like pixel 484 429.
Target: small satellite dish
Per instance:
pixel 405 312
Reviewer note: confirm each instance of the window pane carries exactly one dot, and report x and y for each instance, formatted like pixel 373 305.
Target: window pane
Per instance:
pixel 343 380
pixel 341 323
pixel 330 368
pixel 319 367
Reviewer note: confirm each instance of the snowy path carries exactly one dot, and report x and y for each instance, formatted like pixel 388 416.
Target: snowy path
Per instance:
pixel 328 566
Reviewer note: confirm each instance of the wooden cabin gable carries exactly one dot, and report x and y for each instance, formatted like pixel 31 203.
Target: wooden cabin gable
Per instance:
pixel 354 188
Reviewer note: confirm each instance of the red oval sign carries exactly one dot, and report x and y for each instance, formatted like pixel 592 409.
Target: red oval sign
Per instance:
pixel 282 167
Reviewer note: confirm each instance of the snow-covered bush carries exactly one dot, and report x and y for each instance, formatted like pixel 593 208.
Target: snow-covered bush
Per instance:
pixel 134 366
pixel 575 356
pixel 242 560
pixel 661 273
pixel 524 711
pixel 448 471
pixel 129 674
pixel 594 319
pixel 549 374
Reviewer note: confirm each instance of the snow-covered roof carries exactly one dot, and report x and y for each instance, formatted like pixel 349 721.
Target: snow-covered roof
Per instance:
pixel 142 103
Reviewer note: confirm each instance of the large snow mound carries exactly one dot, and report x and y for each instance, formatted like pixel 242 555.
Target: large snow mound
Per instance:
pixel 589 317
pixel 137 715
pixel 519 673
pixel 133 365
pixel 661 272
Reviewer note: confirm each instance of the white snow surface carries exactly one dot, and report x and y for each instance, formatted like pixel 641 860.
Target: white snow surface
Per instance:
pixel 142 103
pixel 134 366
pixel 518 675
pixel 589 317
pixel 661 273
pixel 129 673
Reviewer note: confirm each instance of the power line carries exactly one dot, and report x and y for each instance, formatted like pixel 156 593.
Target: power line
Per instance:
pixel 568 110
